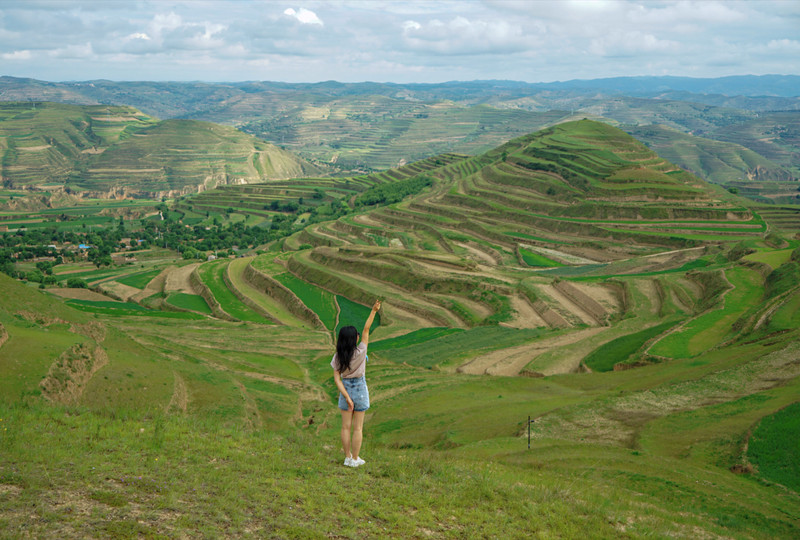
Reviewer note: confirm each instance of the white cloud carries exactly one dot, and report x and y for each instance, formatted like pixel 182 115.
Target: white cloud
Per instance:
pixel 460 36
pixel 305 16
pixel 17 55
pixel 396 40
pixel 631 43
pixel 80 51
pixel 787 45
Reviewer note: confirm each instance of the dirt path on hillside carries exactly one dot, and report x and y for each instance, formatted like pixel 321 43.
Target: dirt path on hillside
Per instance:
pixel 566 304
pixel 510 361
pixel 481 255
pixel 562 256
pixel 648 288
pixel 445 268
pixel 318 230
pixel 178 279
pixel 524 314
pixel 180 396
pixel 367 219
pixel 252 416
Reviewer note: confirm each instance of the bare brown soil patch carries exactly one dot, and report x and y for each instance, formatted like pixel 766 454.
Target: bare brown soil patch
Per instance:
pixel 566 306
pixel 156 285
pixel 600 294
pixel 524 314
pixel 178 279
pixel 119 290
pixel 511 361
pixel 80 294
pixel 71 372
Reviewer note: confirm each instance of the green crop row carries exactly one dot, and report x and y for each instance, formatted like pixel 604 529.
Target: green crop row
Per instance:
pixel 139 280
pixel 452 346
pixel 126 308
pixel 413 338
pixel 712 327
pixel 212 275
pixel 605 357
pixel 532 258
pixel 191 302
pixel 316 299
pixel 353 314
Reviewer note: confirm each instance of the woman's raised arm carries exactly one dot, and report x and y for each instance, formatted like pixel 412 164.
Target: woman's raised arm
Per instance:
pixel 368 324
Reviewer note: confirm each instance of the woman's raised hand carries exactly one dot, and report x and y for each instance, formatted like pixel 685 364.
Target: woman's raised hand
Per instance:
pixel 377 305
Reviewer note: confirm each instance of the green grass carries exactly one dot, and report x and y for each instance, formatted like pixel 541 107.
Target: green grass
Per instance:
pixel 532 258
pixel 353 314
pixel 280 484
pixel 773 447
pixel 620 349
pixel 712 327
pixel 139 279
pixel 412 338
pixel 316 299
pixel 192 302
pixel 126 308
pixel 454 346
pixel 212 275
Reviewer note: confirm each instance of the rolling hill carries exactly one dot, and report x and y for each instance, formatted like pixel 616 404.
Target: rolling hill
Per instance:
pixel 108 150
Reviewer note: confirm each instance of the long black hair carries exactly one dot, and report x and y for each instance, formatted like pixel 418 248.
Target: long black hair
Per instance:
pixel 346 346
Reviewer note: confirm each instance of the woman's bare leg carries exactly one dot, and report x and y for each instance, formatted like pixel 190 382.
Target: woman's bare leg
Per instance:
pixel 347 417
pixel 358 425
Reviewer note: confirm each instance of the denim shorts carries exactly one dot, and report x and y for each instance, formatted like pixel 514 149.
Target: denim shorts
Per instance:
pixel 358 391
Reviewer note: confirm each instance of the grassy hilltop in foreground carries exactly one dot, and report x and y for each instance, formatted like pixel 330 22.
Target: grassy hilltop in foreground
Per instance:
pixel 117 151
pixel 647 321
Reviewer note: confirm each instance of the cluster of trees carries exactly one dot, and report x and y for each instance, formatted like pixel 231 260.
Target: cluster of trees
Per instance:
pixel 168 231
pixel 393 192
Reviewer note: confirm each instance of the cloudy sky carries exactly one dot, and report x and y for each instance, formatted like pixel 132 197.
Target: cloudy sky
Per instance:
pixel 399 41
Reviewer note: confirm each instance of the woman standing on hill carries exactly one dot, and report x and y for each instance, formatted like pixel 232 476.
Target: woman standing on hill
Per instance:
pixel 349 369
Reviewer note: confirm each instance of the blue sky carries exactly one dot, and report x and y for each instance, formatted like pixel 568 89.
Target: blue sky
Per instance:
pixel 398 41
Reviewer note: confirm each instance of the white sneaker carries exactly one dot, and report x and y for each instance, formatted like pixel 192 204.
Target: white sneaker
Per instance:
pixel 349 462
pixel 357 462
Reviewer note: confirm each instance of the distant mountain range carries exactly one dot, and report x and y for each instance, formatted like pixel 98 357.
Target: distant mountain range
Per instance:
pixel 369 125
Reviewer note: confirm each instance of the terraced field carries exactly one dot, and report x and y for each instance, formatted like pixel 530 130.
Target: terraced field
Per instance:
pixel 646 321
pixel 113 150
pixel 554 230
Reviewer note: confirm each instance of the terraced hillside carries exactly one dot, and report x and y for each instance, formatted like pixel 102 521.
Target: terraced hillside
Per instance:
pixel 646 321
pixel 108 150
pixel 562 241
pixel 726 163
